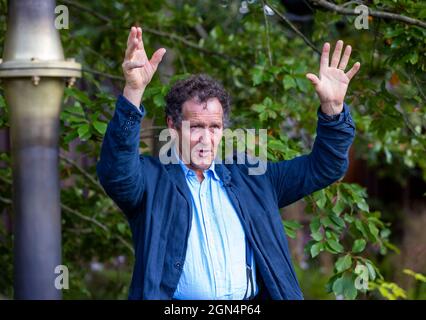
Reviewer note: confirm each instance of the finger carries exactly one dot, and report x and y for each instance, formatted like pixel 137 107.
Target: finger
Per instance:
pixel 157 57
pixel 325 56
pixel 345 58
pixel 131 49
pixel 353 70
pixel 336 54
pixel 132 34
pixel 140 44
pixel 132 43
pixel 139 37
pixel 129 65
pixel 313 78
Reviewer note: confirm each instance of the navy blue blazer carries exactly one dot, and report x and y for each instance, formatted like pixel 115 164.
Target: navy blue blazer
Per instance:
pixel 156 201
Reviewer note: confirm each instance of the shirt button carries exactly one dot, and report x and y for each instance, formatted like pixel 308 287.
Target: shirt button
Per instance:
pixel 178 265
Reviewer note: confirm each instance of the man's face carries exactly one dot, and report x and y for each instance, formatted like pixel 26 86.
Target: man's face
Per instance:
pixel 203 130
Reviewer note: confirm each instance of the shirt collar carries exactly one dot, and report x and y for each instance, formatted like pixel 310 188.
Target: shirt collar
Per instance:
pixel 188 172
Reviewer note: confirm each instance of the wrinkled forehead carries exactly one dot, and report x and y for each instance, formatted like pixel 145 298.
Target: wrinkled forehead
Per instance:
pixel 210 110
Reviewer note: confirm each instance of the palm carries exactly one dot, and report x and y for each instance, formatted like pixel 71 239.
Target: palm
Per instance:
pixel 138 69
pixel 144 74
pixel 332 83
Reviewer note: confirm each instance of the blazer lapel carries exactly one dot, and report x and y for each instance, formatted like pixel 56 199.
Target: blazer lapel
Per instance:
pixel 177 176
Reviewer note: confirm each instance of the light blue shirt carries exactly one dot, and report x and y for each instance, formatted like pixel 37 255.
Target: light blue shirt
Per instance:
pixel 215 263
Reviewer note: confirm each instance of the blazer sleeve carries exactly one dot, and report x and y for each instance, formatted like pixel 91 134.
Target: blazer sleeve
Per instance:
pixel 120 168
pixel 328 161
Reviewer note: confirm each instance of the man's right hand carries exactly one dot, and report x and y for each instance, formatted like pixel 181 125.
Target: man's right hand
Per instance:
pixel 137 69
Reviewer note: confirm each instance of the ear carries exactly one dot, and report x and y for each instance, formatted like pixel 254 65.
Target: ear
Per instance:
pixel 171 127
pixel 170 123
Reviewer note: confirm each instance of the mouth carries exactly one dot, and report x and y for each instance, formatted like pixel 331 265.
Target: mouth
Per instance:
pixel 204 153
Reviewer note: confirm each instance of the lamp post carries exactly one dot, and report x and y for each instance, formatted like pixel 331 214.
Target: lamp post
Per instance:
pixel 34 73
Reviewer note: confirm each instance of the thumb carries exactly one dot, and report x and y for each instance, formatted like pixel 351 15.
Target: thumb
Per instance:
pixel 313 78
pixel 157 57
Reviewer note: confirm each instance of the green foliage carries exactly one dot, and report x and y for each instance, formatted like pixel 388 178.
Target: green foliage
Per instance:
pixel 264 70
pixel 388 290
pixel 418 276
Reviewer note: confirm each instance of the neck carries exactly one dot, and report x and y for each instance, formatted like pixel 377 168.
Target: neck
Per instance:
pixel 200 175
pixel 198 171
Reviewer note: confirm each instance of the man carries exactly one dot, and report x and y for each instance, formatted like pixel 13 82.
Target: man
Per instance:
pixel 206 230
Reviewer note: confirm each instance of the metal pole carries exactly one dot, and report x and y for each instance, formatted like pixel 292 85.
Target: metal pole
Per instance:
pixel 34 73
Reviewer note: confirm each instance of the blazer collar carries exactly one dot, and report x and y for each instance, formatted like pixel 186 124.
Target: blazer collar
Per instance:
pixel 177 174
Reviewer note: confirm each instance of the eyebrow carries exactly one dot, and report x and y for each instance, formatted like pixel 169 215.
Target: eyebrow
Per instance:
pixel 203 124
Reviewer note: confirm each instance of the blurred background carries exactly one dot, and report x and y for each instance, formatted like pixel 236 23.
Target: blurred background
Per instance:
pixel 372 220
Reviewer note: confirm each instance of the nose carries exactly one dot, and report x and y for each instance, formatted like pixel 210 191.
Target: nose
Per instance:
pixel 205 136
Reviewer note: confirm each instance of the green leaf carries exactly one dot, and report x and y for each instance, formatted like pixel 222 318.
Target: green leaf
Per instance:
pixel 121 227
pixel 373 230
pixel 258 108
pixel 321 199
pixel 315 224
pixel 330 283
pixel 414 57
pixel 345 286
pixel 291 226
pixel 291 233
pixel 359 245
pixel 317 236
pixel 257 75
pixel 418 276
pixel 348 218
pixel 385 233
pixel 349 291
pixel 326 221
pixel 316 249
pixel 289 82
pixel 338 286
pixel 362 204
pixel 334 245
pixel 360 226
pixel 70 136
pixel 392 247
pixel 84 131
pixel 371 270
pixel 76 109
pixel 343 263
pixel 159 100
pixel 338 208
pixel 79 95
pixel 303 84
pixel 337 221
pixel 100 126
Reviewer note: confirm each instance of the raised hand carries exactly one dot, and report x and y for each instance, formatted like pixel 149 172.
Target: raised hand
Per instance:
pixel 137 69
pixel 332 83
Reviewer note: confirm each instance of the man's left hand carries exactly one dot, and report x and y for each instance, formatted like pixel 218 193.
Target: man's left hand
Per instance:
pixel 332 83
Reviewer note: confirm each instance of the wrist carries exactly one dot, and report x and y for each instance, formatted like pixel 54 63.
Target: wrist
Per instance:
pixel 332 109
pixel 133 95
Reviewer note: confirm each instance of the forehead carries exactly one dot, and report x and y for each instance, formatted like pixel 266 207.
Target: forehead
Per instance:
pixel 210 110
